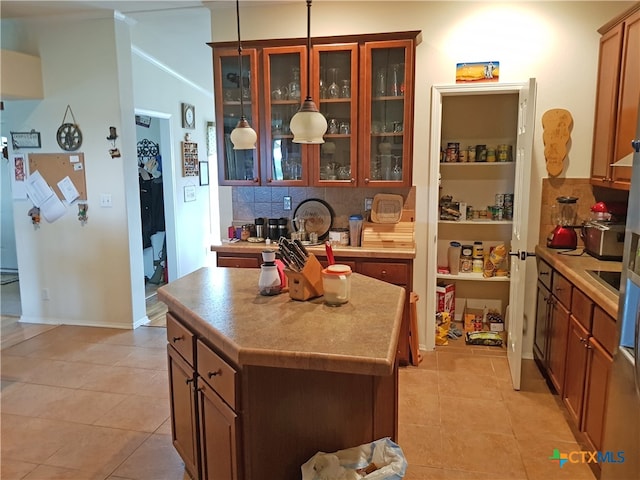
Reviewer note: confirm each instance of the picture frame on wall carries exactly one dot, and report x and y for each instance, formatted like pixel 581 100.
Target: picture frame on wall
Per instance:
pixel 25 140
pixel 204 173
pixel 190 193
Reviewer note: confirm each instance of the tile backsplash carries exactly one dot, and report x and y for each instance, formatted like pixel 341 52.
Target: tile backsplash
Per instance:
pixel 573 187
pixel 250 203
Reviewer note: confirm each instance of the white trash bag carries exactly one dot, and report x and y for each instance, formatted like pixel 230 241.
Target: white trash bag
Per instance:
pixel 379 460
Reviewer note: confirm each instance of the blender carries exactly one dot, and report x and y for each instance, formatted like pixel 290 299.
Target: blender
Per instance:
pixel 564 215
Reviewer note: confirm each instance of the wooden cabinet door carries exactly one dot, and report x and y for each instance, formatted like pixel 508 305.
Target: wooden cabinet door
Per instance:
pixel 184 430
pixel 285 86
pixel 596 388
pixel 336 89
pixel 236 167
pixel 218 436
pixel 386 80
pixel 541 338
pixel 558 331
pixel 606 106
pixel 576 368
pixel 628 98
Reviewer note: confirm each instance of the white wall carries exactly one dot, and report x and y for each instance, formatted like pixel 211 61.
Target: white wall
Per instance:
pixel 555 42
pixel 94 273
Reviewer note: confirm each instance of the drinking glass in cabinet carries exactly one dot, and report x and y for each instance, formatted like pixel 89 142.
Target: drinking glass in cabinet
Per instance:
pixel 334 88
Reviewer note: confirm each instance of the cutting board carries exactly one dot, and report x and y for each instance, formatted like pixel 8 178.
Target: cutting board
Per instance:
pixel 556 124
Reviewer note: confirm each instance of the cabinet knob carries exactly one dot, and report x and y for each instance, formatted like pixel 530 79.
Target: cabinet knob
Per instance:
pixel 256 180
pixel 366 180
pixel 383 273
pixel 583 340
pixel 175 339
pixel 353 180
pixel 213 374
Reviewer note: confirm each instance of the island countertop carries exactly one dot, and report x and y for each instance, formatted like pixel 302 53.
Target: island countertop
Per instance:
pixel 223 306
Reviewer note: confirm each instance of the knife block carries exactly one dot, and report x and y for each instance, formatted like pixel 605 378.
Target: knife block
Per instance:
pixel 307 283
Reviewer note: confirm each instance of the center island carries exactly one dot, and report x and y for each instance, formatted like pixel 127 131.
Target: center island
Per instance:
pixel 259 384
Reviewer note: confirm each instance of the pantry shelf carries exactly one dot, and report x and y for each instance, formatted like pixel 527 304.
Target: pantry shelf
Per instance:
pixel 471 276
pixel 476 222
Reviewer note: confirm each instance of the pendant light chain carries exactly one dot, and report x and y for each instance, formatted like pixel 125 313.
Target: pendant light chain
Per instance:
pixel 308 125
pixel 309 49
pixel 240 82
pixel 243 136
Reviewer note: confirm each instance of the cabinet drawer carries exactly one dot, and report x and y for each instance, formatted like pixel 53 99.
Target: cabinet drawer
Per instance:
pixel 604 329
pixel 544 273
pixel 217 373
pixel 180 337
pixel 238 262
pixel 582 308
pixel 562 289
pixel 395 273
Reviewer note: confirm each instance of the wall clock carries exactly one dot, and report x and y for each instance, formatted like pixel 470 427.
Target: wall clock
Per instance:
pixel 188 116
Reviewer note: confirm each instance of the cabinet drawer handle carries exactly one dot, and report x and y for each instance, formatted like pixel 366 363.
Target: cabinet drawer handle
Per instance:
pixel 181 337
pixel 213 374
pixel 544 273
pixel 188 381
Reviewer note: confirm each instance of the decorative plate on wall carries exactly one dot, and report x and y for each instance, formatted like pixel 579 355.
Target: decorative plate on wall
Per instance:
pixel 317 214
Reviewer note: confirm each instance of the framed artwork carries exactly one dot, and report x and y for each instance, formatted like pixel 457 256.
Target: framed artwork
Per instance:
pixel 25 139
pixel 478 72
pixel 188 116
pixel 190 159
pixel 204 173
pixel 190 193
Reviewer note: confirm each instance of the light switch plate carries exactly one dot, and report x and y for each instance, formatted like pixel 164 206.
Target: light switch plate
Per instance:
pixel 286 204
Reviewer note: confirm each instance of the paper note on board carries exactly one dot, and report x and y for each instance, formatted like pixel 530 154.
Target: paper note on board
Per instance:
pixel 74 158
pixel 68 189
pixel 43 197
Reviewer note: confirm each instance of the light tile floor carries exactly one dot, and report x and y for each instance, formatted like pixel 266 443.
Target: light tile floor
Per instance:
pixel 92 403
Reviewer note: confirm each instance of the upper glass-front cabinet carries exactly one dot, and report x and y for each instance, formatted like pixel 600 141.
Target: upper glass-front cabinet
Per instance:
pixel 388 113
pixel 285 86
pixel 336 93
pixel 236 167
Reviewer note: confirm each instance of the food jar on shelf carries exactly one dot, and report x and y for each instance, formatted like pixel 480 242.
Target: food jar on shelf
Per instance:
pixel 466 259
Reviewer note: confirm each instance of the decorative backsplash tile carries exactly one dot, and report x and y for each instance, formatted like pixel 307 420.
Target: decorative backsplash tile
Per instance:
pixel 250 203
pixel 573 187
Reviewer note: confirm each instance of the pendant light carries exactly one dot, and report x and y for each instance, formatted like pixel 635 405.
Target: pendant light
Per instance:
pixel 243 136
pixel 308 125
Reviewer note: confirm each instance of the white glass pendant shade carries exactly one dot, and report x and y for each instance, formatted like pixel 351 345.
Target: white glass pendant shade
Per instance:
pixel 308 125
pixel 243 136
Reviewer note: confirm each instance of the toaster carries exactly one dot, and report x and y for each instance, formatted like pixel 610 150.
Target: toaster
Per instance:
pixel 603 240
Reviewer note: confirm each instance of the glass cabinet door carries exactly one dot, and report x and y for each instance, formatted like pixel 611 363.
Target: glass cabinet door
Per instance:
pixel 386 158
pixel 285 87
pixel 335 92
pixel 236 167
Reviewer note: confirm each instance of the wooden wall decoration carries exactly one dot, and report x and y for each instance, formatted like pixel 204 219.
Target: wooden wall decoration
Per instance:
pixel 556 124
pixel 190 164
pixel 56 166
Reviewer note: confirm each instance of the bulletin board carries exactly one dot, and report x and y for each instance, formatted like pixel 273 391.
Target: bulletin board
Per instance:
pixel 56 166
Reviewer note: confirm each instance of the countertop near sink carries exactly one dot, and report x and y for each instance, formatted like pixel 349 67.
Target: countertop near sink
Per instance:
pixel 319 250
pixel 575 268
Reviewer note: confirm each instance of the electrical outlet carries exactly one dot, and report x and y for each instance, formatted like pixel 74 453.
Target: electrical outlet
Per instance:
pixel 286 205
pixel 367 203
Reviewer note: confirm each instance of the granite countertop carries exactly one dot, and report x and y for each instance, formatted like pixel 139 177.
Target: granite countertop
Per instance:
pixel 575 269
pixel 223 306
pixel 319 250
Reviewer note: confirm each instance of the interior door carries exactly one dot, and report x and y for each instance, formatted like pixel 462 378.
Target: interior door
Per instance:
pixel 526 118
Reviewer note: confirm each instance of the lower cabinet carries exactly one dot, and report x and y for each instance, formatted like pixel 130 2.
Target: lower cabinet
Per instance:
pixel 204 427
pixel 184 429
pixel 577 352
pixel 599 362
pixel 558 333
pixel 573 348
pixel 218 435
